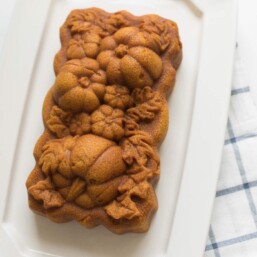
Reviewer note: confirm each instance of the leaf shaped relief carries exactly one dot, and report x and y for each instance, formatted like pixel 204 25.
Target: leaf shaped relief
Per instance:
pixel 138 149
pixel 159 29
pixel 57 121
pixel 115 22
pixel 148 104
pixel 78 186
pixel 56 157
pixel 124 206
pixel 80 22
pixel 64 123
pixel 44 191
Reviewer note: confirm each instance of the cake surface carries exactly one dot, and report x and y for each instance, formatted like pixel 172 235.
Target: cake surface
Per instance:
pixel 105 117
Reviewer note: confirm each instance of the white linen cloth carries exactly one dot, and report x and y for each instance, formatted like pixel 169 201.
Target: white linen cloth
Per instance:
pixel 233 230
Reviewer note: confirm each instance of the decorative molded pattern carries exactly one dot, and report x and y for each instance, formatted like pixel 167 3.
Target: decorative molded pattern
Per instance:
pixel 104 119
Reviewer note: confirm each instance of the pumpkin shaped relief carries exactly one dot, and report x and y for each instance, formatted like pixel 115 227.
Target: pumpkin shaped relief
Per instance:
pixel 129 58
pixel 85 45
pixel 79 87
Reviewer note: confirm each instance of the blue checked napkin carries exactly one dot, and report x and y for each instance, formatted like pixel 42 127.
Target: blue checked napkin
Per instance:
pixel 233 231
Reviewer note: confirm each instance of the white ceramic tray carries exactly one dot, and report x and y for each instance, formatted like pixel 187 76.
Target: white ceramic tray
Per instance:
pixel 190 155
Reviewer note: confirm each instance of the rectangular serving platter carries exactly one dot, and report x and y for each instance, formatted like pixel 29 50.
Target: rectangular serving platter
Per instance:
pixel 190 154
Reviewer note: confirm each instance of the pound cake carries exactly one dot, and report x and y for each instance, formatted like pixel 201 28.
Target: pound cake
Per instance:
pixel 105 117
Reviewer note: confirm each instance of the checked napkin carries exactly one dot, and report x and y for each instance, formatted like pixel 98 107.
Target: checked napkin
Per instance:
pixel 233 230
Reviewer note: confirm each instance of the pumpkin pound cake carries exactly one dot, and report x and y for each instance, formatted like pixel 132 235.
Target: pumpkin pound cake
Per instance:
pixel 105 117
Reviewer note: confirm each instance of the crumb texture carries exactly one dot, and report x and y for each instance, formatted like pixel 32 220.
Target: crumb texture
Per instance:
pixel 105 117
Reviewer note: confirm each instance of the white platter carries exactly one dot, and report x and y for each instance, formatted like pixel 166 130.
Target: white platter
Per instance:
pixel 190 154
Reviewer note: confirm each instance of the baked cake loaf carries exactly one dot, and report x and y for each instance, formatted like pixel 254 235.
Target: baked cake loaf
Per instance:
pixel 105 117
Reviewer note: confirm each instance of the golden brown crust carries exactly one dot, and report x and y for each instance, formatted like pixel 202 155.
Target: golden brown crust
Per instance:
pixel 105 116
